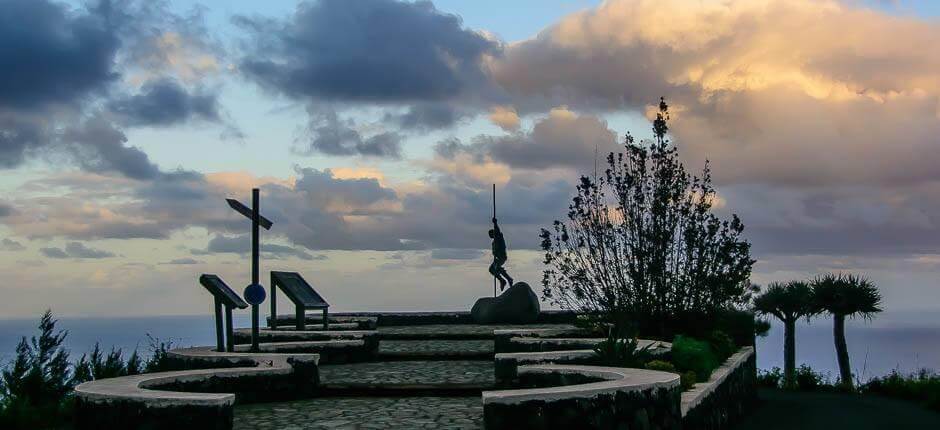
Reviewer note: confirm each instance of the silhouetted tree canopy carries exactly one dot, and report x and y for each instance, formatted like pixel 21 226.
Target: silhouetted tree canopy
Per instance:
pixel 641 241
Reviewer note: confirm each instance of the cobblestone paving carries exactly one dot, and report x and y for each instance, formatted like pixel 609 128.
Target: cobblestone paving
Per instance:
pixel 409 372
pixel 434 346
pixel 471 329
pixel 364 413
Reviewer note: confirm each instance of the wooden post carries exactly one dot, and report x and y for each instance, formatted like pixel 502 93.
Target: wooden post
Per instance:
pixel 229 331
pixel 300 318
pixel 219 333
pixel 255 217
pixel 273 323
pixel 326 319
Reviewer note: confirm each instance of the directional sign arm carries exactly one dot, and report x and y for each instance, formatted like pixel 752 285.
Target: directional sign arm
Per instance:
pixel 246 211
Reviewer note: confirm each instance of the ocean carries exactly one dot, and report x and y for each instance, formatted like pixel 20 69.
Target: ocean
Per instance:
pixel 903 341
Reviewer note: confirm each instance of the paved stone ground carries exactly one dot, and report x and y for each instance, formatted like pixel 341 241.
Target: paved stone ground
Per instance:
pixel 460 329
pixel 409 372
pixel 435 346
pixel 364 413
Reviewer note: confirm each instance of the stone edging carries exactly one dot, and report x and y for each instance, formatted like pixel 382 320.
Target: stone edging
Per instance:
pixel 570 396
pixel 612 379
pixel 202 398
pixel 701 390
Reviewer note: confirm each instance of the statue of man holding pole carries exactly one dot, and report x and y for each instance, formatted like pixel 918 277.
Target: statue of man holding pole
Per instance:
pixel 499 251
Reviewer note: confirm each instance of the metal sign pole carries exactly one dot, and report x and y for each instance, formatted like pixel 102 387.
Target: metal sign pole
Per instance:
pixel 255 215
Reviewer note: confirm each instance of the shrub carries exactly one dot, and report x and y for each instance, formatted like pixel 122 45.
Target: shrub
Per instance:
pixel 159 355
pixel 722 345
pixel 34 386
pixel 772 378
pixel 687 380
pixel 641 239
pixel 663 366
pixel 922 387
pixel 808 379
pixel 690 354
pixel 622 351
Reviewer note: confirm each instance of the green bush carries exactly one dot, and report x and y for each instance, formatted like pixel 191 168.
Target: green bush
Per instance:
pixel 34 387
pixel 772 378
pixel 620 351
pixel 663 366
pixel 808 379
pixel 687 380
pixel 922 387
pixel 722 345
pixel 690 354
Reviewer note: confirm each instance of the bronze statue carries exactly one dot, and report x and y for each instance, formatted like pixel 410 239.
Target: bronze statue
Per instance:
pixel 499 257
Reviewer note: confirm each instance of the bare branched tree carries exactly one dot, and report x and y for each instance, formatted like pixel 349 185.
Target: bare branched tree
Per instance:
pixel 642 243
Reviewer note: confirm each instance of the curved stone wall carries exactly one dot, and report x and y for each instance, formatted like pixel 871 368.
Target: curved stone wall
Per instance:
pixel 200 398
pixel 582 397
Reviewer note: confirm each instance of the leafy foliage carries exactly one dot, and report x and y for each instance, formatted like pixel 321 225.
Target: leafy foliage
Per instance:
pixel 846 295
pixel 34 387
pixel 690 354
pixel 641 240
pixel 98 365
pixel 662 366
pixel 786 301
pixel 159 355
pixel 922 387
pixel 621 349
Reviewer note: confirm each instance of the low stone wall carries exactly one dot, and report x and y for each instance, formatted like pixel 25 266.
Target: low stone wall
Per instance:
pixel 727 396
pixel 194 398
pixel 586 397
pixel 388 319
pixel 558 352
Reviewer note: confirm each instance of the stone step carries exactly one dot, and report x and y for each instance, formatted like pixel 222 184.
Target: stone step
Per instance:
pixel 316 319
pixel 243 335
pixel 379 378
pixel 400 350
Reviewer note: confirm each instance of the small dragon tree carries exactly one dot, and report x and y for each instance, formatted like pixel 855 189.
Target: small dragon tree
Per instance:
pixel 641 243
pixel 787 302
pixel 841 296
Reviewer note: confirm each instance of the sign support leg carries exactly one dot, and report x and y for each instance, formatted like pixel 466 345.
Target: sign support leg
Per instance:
pixel 219 333
pixel 229 331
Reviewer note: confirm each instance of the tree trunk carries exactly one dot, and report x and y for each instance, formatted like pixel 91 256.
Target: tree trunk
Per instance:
pixel 842 351
pixel 789 353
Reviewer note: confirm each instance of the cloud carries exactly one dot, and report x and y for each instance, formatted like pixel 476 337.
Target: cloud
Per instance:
pixel 429 116
pixel 8 244
pixel 242 245
pixel 63 67
pixel 505 117
pixel 53 55
pixel 75 250
pixel 373 50
pixel 563 139
pixel 456 254
pixel 5 209
pixel 184 261
pixel 331 135
pixel 749 92
pixel 165 102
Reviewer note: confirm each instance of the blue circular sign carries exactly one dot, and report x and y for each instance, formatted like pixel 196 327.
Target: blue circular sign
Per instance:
pixel 254 294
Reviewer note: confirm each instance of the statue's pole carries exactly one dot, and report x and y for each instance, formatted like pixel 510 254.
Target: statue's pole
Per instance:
pixel 494 217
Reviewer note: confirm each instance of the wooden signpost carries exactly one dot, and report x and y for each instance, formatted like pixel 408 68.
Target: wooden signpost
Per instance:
pixel 254 293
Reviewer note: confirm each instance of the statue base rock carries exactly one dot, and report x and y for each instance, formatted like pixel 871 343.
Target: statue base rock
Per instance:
pixel 516 305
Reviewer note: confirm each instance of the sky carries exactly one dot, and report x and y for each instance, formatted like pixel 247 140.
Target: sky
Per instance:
pixel 375 129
